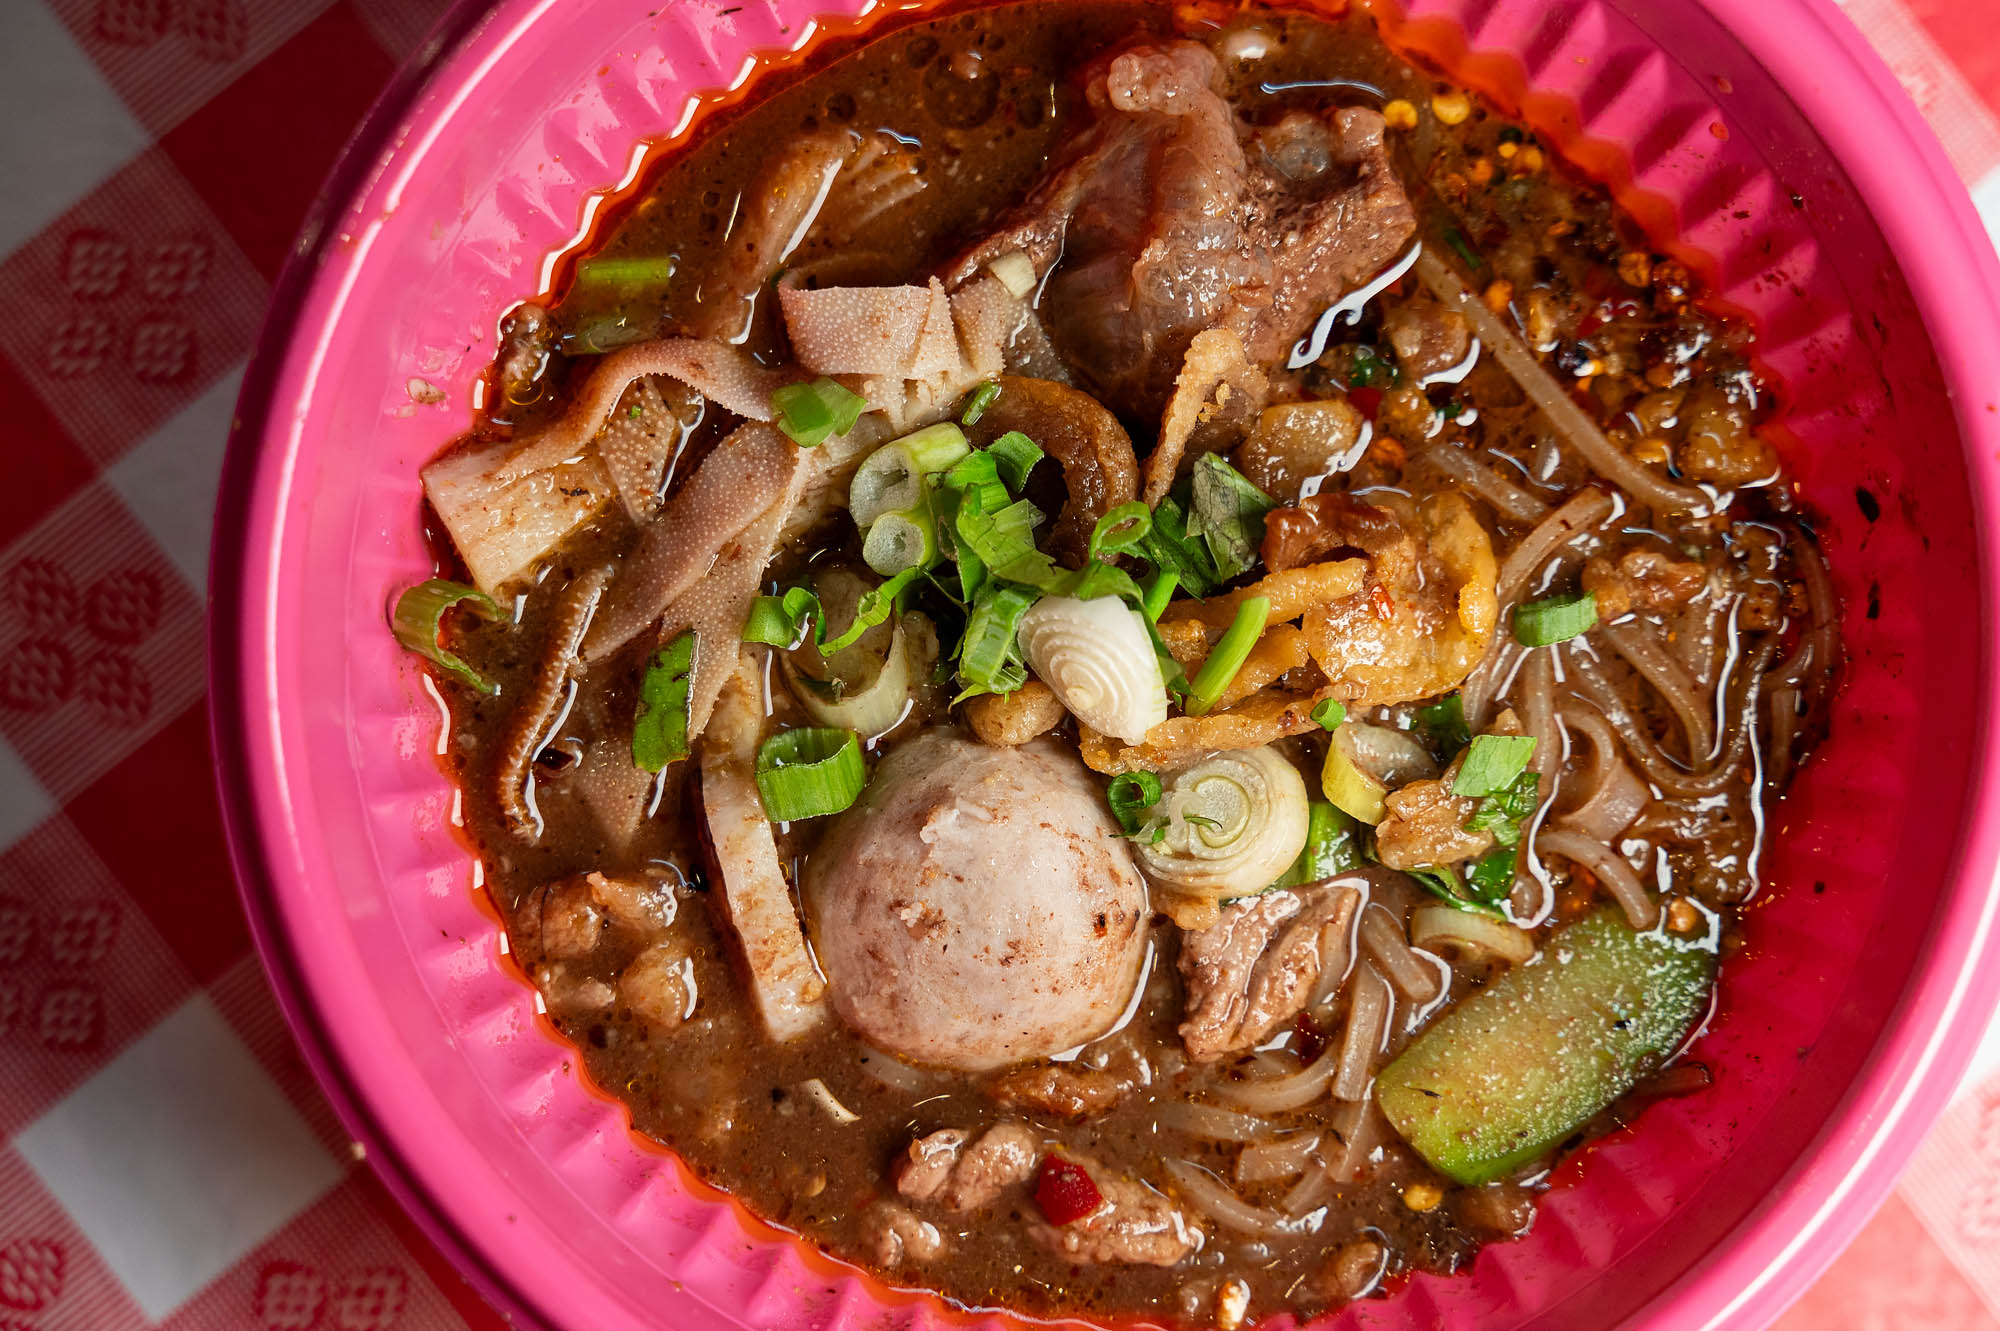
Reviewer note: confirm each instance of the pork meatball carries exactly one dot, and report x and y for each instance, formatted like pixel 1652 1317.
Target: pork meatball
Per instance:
pixel 977 908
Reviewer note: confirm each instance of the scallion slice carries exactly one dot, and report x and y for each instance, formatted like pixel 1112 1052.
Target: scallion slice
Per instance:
pixel 892 478
pixel 809 773
pixel 1557 619
pixel 1228 655
pixel 418 623
pixel 626 270
pixel 1328 713
pixel 989 646
pixel 1132 796
pixel 1159 591
pixel 1492 763
pixel 1016 455
pixel 660 730
pixel 781 621
pixel 899 541
pixel 1121 530
pixel 810 414
pixel 875 605
pixel 976 405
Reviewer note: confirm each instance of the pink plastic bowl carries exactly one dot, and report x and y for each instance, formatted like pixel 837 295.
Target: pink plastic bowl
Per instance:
pixel 1760 135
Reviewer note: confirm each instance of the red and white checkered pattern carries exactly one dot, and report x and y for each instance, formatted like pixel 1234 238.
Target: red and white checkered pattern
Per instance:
pixel 158 155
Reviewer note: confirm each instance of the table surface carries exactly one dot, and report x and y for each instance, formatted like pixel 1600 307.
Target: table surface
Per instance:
pixel 165 1160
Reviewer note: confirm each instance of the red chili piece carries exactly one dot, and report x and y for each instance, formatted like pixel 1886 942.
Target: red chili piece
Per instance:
pixel 1367 401
pixel 1064 1191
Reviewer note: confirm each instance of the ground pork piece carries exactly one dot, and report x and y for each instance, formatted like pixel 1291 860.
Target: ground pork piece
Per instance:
pixel 659 985
pixel 1134 1225
pixel 1427 338
pixel 1060 1090
pixel 897 1235
pixel 1297 441
pixel 1644 581
pixel 1425 827
pixel 1008 719
pixel 1256 967
pixel 570 993
pixel 564 920
pixel 944 1169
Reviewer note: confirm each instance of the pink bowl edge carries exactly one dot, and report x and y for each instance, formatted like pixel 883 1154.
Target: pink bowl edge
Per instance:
pixel 1914 196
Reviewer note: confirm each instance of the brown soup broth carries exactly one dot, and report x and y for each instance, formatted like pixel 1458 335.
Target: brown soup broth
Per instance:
pixel 986 96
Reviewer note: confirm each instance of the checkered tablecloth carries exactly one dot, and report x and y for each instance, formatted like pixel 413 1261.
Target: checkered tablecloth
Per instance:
pixel 165 1160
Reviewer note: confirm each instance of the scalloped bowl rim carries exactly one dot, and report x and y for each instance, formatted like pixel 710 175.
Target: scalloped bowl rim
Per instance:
pixel 1871 129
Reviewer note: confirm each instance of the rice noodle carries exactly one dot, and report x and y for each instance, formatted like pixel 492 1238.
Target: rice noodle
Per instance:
pixel 1219 1202
pixel 1611 792
pixel 1784 731
pixel 1474 475
pixel 1385 943
pixel 1641 911
pixel 1368 1015
pixel 1661 770
pixel 1640 644
pixel 1578 516
pixel 1277 1095
pixel 1536 708
pixel 1214 1123
pixel 1697 637
pixel 1267 1162
pixel 1575 427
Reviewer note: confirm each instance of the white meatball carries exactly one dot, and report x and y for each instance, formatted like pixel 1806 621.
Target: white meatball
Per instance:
pixel 977 907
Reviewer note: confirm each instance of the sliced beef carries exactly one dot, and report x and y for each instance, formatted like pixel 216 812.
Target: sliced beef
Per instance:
pixel 1158 225
pixel 950 1168
pixel 1133 1226
pixel 1257 966
pixel 899 1236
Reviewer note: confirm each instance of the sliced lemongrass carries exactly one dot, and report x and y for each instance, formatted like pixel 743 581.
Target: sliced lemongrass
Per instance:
pixel 1234 823
pixel 1098 659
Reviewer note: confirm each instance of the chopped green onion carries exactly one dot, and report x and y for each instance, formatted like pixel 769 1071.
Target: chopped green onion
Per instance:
pixel 1443 723
pixel 1120 530
pixel 1132 796
pixel 977 476
pixel 897 541
pixel 1017 455
pixel 989 654
pixel 418 621
pixel 1364 368
pixel 1228 515
pixel 810 414
pixel 809 773
pixel 1159 592
pixel 1329 848
pixel 1328 713
pixel 1228 654
pixel 633 270
pixel 874 606
pixel 1005 540
pixel 660 730
pixel 892 477
pixel 781 621
pixel 1558 619
pixel 946 506
pixel 982 398
pixel 1492 764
